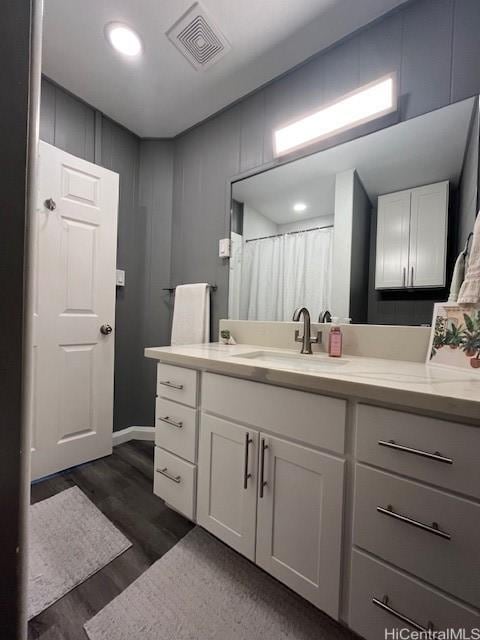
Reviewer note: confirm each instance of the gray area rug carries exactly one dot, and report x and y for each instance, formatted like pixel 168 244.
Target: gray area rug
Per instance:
pixel 70 540
pixel 202 590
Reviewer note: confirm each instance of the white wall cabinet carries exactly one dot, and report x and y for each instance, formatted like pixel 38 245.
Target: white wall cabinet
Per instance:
pixel 299 520
pixel 412 238
pixel 227 483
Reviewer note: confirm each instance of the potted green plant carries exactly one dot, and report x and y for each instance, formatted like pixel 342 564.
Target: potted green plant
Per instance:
pixel 439 335
pixel 475 361
pixel 454 336
pixel 471 334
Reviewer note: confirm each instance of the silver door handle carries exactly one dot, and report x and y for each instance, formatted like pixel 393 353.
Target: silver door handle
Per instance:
pixel 431 528
pixel 246 475
pixel 172 385
pixel 50 204
pixel 411 276
pixel 391 444
pixel 106 329
pixel 174 423
pixel 383 604
pixel 165 472
pixel 263 483
pixel 404 278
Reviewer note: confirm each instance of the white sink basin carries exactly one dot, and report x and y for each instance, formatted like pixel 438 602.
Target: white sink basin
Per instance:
pixel 296 361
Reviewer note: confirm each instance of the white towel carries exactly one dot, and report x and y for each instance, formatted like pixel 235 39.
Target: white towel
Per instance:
pixel 457 278
pixel 191 314
pixel 470 291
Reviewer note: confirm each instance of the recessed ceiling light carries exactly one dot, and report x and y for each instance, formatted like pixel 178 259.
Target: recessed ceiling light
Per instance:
pixel 123 39
pixel 367 103
pixel 299 206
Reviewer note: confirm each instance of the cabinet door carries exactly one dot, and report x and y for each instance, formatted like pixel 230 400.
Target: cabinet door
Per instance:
pixel 227 482
pixel 393 229
pixel 428 236
pixel 299 520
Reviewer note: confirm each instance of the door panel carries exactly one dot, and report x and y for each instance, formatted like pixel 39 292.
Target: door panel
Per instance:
pixel 226 503
pixel 428 236
pixel 76 261
pixel 299 520
pixel 393 228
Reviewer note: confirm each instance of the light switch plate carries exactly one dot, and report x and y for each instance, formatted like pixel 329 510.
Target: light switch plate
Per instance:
pixel 224 248
pixel 120 278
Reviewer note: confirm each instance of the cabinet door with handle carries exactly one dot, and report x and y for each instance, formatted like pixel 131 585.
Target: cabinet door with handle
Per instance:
pixel 227 482
pixel 393 229
pixel 428 236
pixel 299 519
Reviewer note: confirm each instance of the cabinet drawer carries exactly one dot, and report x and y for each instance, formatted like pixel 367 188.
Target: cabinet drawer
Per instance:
pixel 177 383
pixel 176 428
pixel 420 440
pixel 174 481
pixel 424 531
pixel 406 596
pixel 310 418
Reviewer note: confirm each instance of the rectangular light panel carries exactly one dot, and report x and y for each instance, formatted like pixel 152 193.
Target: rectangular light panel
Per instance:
pixel 367 103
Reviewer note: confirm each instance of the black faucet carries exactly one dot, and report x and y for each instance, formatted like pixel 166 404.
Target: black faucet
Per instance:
pixel 306 339
pixel 326 316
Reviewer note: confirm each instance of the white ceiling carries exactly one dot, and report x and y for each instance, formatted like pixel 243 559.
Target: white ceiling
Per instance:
pixel 161 94
pixel 424 150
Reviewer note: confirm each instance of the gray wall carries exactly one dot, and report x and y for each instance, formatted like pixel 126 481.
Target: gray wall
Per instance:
pixel 144 231
pixel 361 218
pixel 467 209
pixel 432 44
pixel 14 113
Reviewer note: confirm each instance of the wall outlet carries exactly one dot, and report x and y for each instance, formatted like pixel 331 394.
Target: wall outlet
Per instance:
pixel 120 278
pixel 224 248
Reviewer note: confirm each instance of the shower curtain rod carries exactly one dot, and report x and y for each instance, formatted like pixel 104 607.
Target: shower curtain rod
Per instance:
pixel 288 233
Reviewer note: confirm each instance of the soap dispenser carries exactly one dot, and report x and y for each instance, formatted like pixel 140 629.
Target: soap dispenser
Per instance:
pixel 335 340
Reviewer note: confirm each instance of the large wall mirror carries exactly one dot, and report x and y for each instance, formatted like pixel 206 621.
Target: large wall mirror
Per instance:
pixel 367 230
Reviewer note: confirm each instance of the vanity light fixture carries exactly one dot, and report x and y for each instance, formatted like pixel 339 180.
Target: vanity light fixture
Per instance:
pixel 371 101
pixel 299 207
pixel 123 39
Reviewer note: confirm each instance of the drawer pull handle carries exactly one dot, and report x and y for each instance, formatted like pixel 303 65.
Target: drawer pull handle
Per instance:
pixel 174 423
pixel 391 444
pixel 246 474
pixel 383 604
pixel 431 528
pixel 262 467
pixel 165 472
pixel 172 385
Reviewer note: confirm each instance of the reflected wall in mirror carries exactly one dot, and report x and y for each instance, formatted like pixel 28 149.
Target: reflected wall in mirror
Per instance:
pixel 368 230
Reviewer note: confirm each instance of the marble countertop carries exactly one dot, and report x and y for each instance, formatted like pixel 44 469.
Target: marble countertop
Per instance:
pixel 412 385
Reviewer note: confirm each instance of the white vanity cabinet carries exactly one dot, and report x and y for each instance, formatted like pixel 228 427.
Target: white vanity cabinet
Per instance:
pixel 176 434
pixel 299 519
pixel 227 482
pixel 278 502
pixel 412 238
pixel 370 513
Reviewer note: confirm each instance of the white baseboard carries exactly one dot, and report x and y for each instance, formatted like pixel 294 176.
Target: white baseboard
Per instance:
pixel 133 433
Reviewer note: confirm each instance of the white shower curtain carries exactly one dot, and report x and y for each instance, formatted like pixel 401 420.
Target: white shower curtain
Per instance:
pixel 285 272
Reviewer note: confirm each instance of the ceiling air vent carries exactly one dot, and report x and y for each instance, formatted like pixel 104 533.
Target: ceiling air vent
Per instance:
pixel 197 37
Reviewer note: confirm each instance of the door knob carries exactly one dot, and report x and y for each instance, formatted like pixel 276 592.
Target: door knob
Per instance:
pixel 50 204
pixel 106 329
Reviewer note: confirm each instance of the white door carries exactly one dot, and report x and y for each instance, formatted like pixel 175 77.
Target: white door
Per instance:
pixel 75 296
pixel 227 482
pixel 299 520
pixel 428 236
pixel 393 232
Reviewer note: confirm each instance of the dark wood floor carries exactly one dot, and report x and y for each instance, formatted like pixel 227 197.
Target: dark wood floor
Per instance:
pixel 121 487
